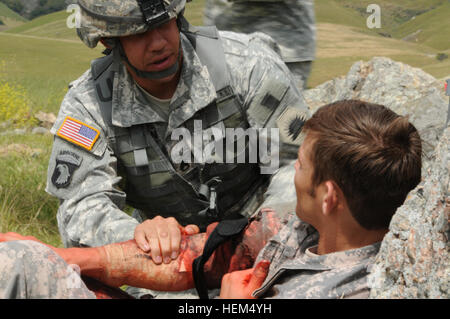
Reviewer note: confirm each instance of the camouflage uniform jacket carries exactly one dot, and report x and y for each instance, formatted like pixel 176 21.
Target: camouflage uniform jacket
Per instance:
pixel 30 270
pixel 297 273
pixel 291 23
pixel 91 203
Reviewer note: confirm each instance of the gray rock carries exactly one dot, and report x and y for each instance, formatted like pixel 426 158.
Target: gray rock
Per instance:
pixel 40 130
pixel 406 90
pixel 414 261
pixel 45 119
pixel 6 124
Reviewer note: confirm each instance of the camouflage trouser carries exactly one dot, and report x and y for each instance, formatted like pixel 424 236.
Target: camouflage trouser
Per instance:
pixel 30 270
pixel 301 71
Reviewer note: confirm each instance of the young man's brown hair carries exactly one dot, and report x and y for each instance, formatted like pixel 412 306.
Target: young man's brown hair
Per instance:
pixel 372 153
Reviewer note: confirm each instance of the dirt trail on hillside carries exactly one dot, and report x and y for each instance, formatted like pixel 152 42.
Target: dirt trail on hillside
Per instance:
pixel 37 37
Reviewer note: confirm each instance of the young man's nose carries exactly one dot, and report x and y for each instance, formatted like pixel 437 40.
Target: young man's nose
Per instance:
pixel 155 39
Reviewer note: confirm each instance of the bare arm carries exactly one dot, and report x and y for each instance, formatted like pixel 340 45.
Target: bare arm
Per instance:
pixel 124 263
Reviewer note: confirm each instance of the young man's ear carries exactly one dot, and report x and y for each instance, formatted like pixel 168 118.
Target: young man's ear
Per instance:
pixel 330 198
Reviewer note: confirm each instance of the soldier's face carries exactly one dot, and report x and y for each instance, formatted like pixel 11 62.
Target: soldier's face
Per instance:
pixel 155 50
pixel 308 204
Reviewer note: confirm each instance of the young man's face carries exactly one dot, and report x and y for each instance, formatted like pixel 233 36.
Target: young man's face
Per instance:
pixel 155 50
pixel 308 204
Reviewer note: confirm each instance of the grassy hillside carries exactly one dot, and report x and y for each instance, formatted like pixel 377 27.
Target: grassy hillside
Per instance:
pixel 9 18
pixel 394 13
pixel 52 25
pixel 329 11
pixel 343 38
pixel 44 66
pixel 432 27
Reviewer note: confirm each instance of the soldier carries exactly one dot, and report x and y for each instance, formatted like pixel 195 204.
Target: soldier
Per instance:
pixel 114 134
pixel 291 23
pixel 30 270
pixel 356 165
pixel 354 169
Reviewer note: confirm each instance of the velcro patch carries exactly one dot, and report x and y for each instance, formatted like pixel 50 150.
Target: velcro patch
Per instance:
pixel 78 133
pixel 291 123
pixel 66 164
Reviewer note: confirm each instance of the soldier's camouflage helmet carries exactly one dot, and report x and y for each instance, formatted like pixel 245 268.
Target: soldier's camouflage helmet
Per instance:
pixel 116 18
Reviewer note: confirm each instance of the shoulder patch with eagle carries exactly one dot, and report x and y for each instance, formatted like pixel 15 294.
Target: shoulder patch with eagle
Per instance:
pixel 67 163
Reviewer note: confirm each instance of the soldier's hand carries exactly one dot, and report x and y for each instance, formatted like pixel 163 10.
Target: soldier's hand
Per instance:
pixel 241 284
pixel 162 237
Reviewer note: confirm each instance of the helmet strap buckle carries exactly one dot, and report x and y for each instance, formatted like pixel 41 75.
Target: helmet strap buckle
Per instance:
pixel 154 12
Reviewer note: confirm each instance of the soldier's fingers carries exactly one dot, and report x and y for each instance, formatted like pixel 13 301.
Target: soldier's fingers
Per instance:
pixel 191 230
pixel 175 240
pixel 155 250
pixel 141 241
pixel 259 275
pixel 164 242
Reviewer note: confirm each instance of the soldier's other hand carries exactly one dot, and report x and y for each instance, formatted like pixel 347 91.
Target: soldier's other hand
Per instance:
pixel 241 284
pixel 162 238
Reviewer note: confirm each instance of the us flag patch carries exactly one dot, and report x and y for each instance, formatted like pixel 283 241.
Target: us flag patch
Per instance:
pixel 78 133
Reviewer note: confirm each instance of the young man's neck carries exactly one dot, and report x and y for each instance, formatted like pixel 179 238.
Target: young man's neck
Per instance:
pixel 337 236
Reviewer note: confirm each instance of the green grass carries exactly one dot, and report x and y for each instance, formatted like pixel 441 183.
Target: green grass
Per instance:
pixel 194 12
pixel 8 13
pixel 393 13
pixel 435 26
pixel 328 11
pixel 49 25
pixel 24 206
pixel 44 67
pixel 9 18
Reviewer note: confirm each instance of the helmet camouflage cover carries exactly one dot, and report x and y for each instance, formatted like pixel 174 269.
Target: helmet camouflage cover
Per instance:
pixel 116 18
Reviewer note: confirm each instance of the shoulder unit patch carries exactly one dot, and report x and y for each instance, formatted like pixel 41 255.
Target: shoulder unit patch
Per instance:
pixel 66 164
pixel 78 133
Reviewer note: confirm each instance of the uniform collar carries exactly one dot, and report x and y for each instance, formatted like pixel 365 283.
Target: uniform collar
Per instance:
pixel 194 92
pixel 340 259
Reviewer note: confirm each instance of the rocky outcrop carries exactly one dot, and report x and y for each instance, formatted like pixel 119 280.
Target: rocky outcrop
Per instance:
pixel 414 260
pixel 404 89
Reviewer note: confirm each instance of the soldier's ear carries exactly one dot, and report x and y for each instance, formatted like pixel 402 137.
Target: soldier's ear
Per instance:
pixel 329 197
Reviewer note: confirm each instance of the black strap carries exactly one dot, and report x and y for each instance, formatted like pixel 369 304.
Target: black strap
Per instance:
pixel 226 230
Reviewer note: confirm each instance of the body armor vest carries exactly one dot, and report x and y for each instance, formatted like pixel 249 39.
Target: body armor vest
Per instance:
pixel 196 193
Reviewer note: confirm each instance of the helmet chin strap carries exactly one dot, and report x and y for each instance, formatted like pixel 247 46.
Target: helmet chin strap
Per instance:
pixel 152 75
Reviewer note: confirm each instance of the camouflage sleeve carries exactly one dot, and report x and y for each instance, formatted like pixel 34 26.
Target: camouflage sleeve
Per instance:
pixel 30 270
pixel 291 23
pixel 85 181
pixel 271 99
